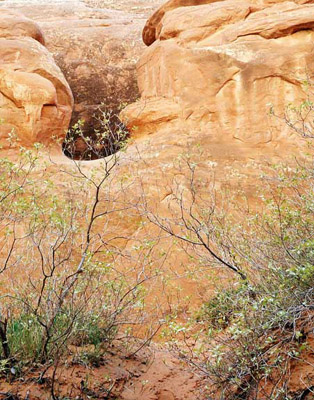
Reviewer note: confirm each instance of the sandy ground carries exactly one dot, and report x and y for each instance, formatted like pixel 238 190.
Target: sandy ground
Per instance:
pixel 150 375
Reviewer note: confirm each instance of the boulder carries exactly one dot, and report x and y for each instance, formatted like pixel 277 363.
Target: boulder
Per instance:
pixel 35 99
pixel 224 66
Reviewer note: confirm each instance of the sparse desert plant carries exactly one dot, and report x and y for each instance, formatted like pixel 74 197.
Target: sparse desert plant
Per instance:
pixel 246 337
pixel 64 281
pixel 110 136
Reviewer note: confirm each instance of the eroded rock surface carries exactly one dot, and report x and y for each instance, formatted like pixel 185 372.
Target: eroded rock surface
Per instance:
pixel 222 66
pixel 13 24
pixel 96 43
pixel 35 99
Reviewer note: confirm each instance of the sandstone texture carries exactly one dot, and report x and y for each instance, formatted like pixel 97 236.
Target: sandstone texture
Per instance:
pixel 35 99
pixel 207 81
pixel 13 24
pixel 220 67
pixel 96 43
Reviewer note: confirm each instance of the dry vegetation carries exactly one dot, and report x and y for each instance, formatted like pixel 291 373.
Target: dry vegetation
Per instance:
pixel 70 291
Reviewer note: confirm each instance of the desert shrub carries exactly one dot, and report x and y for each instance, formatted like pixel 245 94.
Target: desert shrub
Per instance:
pixel 220 309
pixel 246 336
pixel 267 331
pixel 24 337
pixel 61 284
pixel 271 314
pixel 25 334
pixel 92 330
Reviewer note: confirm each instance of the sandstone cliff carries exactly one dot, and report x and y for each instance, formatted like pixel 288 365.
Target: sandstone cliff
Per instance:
pixel 221 67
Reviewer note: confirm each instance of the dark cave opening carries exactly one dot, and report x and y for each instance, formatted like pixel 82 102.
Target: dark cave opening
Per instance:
pixel 102 136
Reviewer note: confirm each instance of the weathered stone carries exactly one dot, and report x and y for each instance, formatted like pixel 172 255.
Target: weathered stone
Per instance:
pixel 13 24
pixel 153 25
pixel 224 65
pixel 96 43
pixel 150 30
pixel 35 99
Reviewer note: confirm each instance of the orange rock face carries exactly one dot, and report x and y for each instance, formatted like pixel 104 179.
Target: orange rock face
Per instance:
pixel 96 43
pixel 221 66
pixel 35 99
pixel 150 30
pixel 13 24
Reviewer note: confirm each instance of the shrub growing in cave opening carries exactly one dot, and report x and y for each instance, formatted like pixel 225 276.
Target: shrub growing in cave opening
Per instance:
pixel 105 136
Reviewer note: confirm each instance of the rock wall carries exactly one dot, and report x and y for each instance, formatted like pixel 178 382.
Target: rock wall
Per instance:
pixel 35 99
pixel 221 66
pixel 96 43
